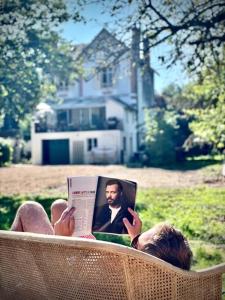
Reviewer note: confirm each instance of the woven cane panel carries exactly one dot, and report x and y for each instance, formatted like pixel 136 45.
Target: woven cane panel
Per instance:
pixel 91 274
pixel 211 287
pixel 150 282
pixel 20 276
pixel 188 288
pixel 44 268
pixel 53 271
pixel 204 288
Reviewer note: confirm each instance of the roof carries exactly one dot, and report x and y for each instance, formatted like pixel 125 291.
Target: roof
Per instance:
pixel 100 101
pixel 107 43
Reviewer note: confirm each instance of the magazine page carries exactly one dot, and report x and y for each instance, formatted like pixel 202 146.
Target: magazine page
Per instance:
pixel 81 195
pixel 113 198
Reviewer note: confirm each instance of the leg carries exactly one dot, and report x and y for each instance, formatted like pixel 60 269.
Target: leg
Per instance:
pixel 57 207
pixel 31 217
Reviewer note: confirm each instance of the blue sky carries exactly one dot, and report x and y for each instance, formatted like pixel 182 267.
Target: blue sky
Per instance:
pixel 84 33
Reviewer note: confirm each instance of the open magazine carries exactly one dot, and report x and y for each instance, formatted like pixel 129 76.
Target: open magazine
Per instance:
pixel 101 203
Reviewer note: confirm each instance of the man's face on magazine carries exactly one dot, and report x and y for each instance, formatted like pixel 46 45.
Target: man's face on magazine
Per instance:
pixel 113 194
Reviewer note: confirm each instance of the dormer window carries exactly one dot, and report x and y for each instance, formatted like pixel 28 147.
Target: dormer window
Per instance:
pixel 106 77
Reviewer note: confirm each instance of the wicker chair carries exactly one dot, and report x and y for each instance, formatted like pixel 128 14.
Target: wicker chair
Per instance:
pixel 34 266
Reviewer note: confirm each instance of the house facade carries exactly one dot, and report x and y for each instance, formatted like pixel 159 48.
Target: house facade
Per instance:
pixel 101 115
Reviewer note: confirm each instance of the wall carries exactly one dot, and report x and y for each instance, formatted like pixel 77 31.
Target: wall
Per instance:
pixel 91 86
pixel 130 133
pixel 106 139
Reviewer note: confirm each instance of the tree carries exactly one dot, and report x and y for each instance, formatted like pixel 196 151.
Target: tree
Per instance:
pixel 207 96
pixel 30 54
pixel 194 29
pixel 203 102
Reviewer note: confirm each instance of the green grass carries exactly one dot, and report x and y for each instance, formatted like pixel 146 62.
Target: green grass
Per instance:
pixel 197 212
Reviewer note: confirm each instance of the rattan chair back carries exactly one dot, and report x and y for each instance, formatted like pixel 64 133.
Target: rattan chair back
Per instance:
pixel 34 266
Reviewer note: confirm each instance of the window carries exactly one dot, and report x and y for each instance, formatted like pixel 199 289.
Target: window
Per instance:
pixel 84 117
pixel 106 77
pixel 92 143
pixel 62 118
pixel 63 85
pixel 98 117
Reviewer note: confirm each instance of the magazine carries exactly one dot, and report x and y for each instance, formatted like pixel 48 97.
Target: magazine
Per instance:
pixel 101 203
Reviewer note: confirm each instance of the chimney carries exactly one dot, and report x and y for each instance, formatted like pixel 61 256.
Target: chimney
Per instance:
pixel 148 76
pixel 135 57
pixel 146 52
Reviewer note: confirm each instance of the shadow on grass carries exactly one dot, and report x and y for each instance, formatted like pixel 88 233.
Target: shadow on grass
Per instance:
pixel 191 165
pixel 188 165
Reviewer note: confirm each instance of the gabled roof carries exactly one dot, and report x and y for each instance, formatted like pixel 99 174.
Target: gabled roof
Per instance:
pixel 105 42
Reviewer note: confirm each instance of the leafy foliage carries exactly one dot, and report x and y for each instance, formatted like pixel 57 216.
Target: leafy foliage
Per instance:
pixel 193 29
pixel 31 53
pixel 160 138
pixel 202 101
pixel 166 132
pixel 209 108
pixel 5 152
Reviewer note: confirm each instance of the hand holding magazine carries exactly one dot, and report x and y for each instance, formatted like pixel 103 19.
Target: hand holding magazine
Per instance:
pixel 101 203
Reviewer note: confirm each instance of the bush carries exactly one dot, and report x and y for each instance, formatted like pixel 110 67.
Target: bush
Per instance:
pixel 195 146
pixel 6 152
pixel 166 133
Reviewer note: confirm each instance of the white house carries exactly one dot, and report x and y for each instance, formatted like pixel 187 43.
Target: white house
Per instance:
pixel 101 117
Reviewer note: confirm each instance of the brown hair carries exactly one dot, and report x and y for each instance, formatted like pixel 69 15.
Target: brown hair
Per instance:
pixel 115 181
pixel 170 245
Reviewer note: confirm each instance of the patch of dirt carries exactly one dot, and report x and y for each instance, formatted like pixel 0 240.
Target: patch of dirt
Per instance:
pixel 30 179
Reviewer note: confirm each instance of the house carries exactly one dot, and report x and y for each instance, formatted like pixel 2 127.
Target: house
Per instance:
pixel 101 116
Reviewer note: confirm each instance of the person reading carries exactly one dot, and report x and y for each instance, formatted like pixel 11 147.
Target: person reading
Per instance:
pixel 163 240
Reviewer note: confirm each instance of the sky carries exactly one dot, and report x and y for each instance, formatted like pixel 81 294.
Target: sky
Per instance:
pixel 84 33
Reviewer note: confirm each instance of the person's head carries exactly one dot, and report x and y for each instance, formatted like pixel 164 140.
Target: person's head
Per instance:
pixel 167 243
pixel 113 192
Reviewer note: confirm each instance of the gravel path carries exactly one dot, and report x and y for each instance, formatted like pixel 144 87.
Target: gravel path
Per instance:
pixel 29 179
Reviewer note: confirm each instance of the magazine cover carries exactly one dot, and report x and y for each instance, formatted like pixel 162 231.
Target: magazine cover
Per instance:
pixel 113 198
pixel 101 203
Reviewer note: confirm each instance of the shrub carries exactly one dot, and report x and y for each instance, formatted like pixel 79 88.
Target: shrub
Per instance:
pixel 165 135
pixel 6 152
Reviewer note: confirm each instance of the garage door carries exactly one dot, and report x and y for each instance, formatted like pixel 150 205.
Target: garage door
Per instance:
pixel 55 152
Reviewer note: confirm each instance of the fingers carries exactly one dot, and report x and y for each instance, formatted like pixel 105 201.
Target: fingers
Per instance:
pixel 134 214
pixel 72 224
pixel 67 213
pixel 66 224
pixel 127 224
pixel 137 220
pixel 135 228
